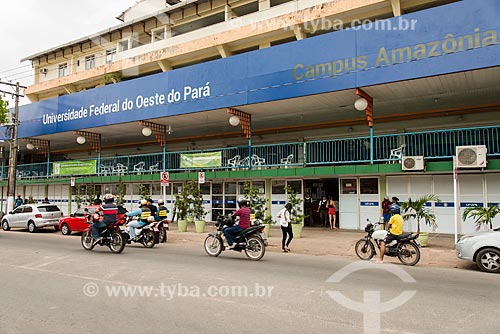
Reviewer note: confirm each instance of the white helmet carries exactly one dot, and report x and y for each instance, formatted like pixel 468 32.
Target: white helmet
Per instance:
pixel 143 202
pixel 160 202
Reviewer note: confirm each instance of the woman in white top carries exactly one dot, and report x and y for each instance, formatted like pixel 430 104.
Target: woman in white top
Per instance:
pixel 285 216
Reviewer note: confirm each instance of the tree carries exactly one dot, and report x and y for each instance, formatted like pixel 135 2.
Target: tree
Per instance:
pixel 4 111
pixel 296 213
pixel 482 215
pixel 418 210
pixel 257 203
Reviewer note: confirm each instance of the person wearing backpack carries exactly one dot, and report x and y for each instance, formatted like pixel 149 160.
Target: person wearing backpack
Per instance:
pixel 285 217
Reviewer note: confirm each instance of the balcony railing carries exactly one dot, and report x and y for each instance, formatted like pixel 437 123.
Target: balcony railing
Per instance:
pixel 433 145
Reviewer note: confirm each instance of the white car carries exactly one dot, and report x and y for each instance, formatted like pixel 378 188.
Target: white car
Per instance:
pixel 32 217
pixel 482 248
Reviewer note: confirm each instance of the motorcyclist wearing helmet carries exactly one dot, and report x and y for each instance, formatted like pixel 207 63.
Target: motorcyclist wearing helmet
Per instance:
pixel 143 213
pixel 153 208
pixel 395 229
pixel 162 210
pixel 109 210
pixel 244 213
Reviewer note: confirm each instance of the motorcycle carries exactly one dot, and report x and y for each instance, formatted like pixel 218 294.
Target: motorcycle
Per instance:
pixel 147 235
pixel 163 228
pixel 113 236
pixel 251 240
pixel 405 247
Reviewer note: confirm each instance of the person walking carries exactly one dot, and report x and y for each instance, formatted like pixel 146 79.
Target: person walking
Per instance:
pixel 332 214
pixel 323 211
pixel 285 217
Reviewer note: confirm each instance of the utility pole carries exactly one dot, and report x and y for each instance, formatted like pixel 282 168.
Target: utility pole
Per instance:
pixel 11 182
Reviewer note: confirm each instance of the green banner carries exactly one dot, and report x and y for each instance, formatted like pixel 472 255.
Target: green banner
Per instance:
pixel 201 160
pixel 74 167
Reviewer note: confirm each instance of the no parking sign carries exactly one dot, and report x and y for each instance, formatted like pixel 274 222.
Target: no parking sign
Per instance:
pixel 164 178
pixel 201 177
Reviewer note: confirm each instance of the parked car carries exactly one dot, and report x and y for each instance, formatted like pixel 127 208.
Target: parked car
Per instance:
pixel 483 248
pixel 32 217
pixel 77 221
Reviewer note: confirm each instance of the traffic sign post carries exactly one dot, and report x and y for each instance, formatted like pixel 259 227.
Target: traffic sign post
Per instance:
pixel 164 178
pixel 201 177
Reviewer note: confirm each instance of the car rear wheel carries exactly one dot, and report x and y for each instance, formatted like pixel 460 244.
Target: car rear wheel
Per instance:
pixel 488 260
pixel 65 229
pixel 5 225
pixel 31 226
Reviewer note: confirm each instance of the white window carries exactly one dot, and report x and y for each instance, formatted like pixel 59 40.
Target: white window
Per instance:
pixel 158 34
pixel 123 45
pixel 63 70
pixel 110 56
pixel 89 62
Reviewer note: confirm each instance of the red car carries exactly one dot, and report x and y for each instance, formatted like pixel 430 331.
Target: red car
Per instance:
pixel 77 222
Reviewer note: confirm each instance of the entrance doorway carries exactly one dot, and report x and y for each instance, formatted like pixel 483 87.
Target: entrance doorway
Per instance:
pixel 318 188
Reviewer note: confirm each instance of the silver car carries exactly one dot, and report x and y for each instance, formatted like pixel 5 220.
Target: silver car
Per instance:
pixel 32 217
pixel 482 248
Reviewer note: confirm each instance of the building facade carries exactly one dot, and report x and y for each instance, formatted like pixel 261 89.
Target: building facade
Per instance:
pixel 158 92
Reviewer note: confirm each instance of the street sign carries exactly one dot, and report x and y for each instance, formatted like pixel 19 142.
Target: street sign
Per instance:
pixel 201 177
pixel 72 181
pixel 164 178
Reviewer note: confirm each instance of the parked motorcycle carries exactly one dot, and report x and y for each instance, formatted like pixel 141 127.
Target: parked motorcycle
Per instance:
pixel 147 235
pixel 113 236
pixel 405 247
pixel 250 240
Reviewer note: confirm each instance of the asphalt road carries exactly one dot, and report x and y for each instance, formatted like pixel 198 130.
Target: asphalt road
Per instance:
pixel 49 284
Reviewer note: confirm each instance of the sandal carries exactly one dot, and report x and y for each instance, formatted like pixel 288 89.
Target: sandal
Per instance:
pixel 287 249
pixel 284 250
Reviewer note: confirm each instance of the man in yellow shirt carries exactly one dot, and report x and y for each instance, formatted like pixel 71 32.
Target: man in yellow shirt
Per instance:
pixel 395 229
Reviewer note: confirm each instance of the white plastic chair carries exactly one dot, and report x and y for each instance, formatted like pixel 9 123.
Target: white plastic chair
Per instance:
pixel 154 168
pixel 106 170
pixel 397 153
pixel 245 162
pixel 120 169
pixel 139 167
pixel 287 161
pixel 234 161
pixel 258 161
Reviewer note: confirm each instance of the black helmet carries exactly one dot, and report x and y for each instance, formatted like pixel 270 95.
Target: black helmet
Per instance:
pixel 395 208
pixel 242 201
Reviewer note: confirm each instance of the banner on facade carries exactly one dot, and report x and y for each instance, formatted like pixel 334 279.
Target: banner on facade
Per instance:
pixel 74 167
pixel 201 160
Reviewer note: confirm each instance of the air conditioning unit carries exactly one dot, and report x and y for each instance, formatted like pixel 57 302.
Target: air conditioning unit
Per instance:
pixel 413 163
pixel 471 156
pixel 44 70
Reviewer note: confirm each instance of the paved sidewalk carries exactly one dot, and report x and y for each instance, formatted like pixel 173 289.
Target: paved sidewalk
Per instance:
pixel 325 242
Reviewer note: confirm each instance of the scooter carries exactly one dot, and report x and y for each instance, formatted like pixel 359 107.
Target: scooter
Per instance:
pixel 113 236
pixel 147 235
pixel 251 240
pixel 405 247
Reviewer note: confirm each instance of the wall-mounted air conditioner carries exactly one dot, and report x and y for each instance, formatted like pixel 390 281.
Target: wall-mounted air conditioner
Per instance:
pixel 44 70
pixel 413 162
pixel 471 156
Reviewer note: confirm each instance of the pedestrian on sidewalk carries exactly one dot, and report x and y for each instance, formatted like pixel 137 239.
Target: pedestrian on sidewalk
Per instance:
pixel 323 211
pixel 332 215
pixel 386 210
pixel 285 217
pixel 308 219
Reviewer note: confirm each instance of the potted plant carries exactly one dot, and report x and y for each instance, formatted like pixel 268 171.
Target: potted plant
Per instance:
pixel 297 218
pixel 482 215
pixel 182 207
pixel 196 207
pixel 258 206
pixel 418 211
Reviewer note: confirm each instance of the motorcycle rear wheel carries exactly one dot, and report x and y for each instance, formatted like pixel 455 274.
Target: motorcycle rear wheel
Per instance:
pixel 408 254
pixel 87 241
pixel 365 249
pixel 255 248
pixel 213 245
pixel 163 235
pixel 117 243
pixel 148 238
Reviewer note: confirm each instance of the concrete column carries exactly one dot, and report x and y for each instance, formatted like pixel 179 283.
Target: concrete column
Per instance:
pixel 264 4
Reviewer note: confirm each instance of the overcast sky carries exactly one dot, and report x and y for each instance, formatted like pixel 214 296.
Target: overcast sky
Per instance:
pixel 31 26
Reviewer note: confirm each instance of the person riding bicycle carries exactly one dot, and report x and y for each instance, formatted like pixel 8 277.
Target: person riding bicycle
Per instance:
pixel 244 213
pixel 109 210
pixel 395 229
pixel 162 210
pixel 144 212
